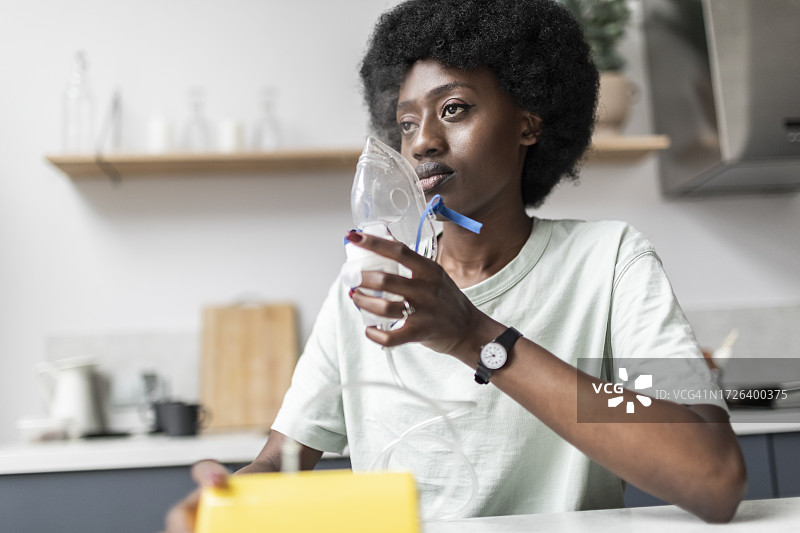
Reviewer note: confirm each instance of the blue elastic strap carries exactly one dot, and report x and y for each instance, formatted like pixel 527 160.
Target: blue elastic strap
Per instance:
pixel 436 207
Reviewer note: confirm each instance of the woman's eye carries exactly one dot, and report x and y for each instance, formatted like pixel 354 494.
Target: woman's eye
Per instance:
pixel 452 110
pixel 407 127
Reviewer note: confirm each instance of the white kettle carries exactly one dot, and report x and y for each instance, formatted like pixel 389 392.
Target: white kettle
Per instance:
pixel 73 396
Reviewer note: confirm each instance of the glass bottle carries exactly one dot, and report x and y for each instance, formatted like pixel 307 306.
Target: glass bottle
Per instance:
pixel 78 109
pixel 197 133
pixel 266 132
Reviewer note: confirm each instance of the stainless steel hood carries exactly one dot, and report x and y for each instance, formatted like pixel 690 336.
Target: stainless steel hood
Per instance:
pixel 725 86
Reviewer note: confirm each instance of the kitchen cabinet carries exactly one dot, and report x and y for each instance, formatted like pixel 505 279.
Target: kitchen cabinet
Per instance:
pixel 786 450
pixel 773 469
pixel 118 165
pixel 758 459
pixel 130 500
pixel 112 484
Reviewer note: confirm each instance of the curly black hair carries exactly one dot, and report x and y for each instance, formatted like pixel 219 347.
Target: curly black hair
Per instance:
pixel 535 48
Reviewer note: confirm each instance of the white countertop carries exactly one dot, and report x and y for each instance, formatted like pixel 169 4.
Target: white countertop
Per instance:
pixel 774 516
pixel 149 451
pixel 138 451
pixel 769 421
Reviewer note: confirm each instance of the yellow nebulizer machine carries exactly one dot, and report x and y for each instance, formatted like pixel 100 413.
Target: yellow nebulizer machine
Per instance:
pixel 387 200
pixel 329 501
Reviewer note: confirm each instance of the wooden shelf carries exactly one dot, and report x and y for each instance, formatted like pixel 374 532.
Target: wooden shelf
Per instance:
pixel 127 165
pixel 80 167
pixel 617 148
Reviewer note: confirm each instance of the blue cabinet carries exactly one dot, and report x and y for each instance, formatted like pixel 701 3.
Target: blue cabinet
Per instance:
pixel 786 451
pixel 123 501
pixel 758 459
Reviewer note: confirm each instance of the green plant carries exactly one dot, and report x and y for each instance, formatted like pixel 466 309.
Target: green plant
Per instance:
pixel 604 23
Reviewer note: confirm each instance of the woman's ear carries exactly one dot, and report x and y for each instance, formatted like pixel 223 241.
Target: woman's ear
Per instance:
pixel 531 127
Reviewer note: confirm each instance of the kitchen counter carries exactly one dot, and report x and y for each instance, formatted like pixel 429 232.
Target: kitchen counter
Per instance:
pixel 138 451
pixel 769 421
pixel 775 516
pixel 149 451
pixel 153 471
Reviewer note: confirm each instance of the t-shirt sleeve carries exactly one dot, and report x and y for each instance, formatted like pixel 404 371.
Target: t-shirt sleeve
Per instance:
pixel 311 412
pixel 650 335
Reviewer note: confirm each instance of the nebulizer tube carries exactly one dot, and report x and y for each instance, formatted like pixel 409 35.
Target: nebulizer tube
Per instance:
pixel 393 368
pixel 457 409
pixel 382 460
pixel 387 200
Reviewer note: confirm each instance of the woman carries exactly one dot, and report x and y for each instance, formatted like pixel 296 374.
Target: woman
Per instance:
pixel 493 102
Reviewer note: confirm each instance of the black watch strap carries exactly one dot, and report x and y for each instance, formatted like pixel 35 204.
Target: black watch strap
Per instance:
pixel 506 340
pixel 482 374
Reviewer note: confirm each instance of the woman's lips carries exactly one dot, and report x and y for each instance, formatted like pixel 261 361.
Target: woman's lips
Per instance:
pixel 434 181
pixel 432 175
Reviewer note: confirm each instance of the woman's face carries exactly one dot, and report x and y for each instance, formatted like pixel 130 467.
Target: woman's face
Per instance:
pixel 465 137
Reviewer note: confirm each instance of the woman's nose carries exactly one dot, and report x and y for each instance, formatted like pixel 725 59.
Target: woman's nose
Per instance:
pixel 429 140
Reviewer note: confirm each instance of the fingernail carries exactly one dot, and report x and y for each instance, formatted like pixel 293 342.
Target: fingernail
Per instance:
pixel 354 236
pixel 352 291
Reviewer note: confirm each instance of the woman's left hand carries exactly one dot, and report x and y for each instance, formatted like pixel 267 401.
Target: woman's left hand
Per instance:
pixel 438 315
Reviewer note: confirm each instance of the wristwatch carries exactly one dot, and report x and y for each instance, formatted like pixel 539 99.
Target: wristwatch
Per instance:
pixel 494 355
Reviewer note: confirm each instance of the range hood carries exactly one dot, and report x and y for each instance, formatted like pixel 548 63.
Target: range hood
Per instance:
pixel 725 86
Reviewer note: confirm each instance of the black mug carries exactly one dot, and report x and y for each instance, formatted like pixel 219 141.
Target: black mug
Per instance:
pixel 153 414
pixel 180 419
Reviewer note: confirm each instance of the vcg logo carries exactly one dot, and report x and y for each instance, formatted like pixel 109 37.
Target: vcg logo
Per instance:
pixel 645 381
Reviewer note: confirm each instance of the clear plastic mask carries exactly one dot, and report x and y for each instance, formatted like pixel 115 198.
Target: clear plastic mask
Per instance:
pixel 386 192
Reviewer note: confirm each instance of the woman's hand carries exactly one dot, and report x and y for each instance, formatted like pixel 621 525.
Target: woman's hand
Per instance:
pixel 181 518
pixel 439 315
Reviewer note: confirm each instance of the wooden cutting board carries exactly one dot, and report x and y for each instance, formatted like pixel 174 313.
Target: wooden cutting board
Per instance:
pixel 249 354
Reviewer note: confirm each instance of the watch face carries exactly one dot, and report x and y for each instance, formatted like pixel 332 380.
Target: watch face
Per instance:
pixel 493 356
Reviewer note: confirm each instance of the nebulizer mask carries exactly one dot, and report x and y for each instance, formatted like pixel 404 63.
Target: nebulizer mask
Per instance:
pixel 387 197
pixel 387 200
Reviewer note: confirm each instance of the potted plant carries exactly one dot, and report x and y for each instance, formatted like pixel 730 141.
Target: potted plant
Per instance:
pixel 604 24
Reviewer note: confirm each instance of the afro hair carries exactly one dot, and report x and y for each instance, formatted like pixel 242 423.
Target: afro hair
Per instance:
pixel 535 48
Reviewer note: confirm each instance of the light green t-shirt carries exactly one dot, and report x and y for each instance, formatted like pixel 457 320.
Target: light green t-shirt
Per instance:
pixel 582 290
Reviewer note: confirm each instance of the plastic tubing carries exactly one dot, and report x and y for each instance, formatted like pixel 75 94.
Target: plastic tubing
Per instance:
pixel 457 408
pixel 460 408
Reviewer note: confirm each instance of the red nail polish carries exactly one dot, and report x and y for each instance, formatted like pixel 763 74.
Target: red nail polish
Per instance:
pixel 352 291
pixel 354 236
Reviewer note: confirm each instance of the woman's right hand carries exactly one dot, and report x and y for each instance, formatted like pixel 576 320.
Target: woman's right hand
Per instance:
pixel 181 517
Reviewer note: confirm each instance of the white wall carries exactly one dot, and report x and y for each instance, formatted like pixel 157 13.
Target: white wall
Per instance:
pixel 149 253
